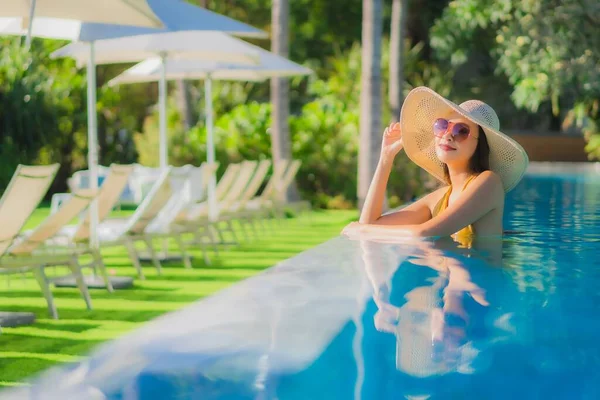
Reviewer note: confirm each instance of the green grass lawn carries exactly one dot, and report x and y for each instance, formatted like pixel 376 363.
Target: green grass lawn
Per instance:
pixel 27 350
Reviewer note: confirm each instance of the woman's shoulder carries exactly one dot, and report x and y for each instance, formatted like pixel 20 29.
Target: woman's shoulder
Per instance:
pixel 489 181
pixel 490 176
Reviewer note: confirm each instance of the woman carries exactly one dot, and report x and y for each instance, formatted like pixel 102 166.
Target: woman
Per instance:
pixel 462 146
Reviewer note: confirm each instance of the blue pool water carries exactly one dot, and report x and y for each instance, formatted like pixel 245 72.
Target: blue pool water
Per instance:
pixel 516 318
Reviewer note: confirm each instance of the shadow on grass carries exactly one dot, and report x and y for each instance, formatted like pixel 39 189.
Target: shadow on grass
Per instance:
pixel 67 327
pixel 59 347
pixel 208 278
pixel 11 368
pixel 99 294
pixel 130 315
pixel 221 265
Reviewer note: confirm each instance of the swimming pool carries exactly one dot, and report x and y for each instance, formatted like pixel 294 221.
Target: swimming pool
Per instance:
pixel 507 319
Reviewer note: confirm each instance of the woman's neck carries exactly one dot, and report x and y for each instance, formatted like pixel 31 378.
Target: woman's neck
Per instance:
pixel 459 176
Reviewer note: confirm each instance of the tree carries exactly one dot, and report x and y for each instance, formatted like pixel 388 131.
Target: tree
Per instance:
pixel 396 62
pixel 370 96
pixel 396 74
pixel 549 50
pixel 280 98
pixel 184 104
pixel 184 93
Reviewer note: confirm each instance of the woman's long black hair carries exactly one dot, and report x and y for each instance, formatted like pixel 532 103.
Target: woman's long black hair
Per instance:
pixel 480 160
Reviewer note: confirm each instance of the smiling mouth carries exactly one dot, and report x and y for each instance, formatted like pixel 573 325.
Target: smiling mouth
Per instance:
pixel 446 147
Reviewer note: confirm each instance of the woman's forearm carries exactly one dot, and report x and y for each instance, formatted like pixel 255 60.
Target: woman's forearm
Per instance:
pixel 373 206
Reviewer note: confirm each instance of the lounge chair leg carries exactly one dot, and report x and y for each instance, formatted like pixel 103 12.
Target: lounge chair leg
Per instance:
pixel 40 276
pixel 263 225
pixel 267 218
pixel 279 216
pixel 253 226
pixel 199 234
pixel 98 262
pixel 244 231
pixel 204 250
pixel 187 262
pixel 272 221
pixel 133 256
pixel 229 228
pixel 209 230
pixel 243 223
pixel 219 232
pixel 76 270
pixel 165 247
pixel 153 255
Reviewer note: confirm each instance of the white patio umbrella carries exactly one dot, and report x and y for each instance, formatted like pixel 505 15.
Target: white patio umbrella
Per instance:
pixel 209 46
pixel 176 15
pixel 122 12
pixel 269 66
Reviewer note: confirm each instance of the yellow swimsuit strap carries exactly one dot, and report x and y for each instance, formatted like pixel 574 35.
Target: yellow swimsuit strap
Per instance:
pixel 468 230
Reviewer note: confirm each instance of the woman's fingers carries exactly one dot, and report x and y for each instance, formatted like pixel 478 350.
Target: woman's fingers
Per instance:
pixel 382 324
pixel 394 129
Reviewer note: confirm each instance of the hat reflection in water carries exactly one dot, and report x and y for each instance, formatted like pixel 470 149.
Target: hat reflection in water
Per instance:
pixel 436 331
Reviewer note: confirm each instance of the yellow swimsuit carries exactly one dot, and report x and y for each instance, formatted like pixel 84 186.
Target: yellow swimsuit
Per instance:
pixel 466 234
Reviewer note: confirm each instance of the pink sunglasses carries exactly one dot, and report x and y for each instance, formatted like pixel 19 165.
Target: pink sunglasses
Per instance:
pixel 460 131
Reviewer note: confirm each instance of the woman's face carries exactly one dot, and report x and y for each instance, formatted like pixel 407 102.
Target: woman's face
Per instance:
pixel 457 148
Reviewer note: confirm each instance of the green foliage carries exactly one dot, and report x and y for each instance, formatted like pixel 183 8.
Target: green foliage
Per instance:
pixel 325 138
pixel 43 113
pixel 37 113
pixel 548 50
pixel 315 27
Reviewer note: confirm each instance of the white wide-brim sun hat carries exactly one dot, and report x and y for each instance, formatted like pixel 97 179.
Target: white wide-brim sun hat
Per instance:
pixel 423 106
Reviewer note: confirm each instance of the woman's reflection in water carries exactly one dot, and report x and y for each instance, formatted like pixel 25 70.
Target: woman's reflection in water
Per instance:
pixel 442 313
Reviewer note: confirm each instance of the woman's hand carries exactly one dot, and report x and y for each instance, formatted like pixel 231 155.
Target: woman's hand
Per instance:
pixel 391 143
pixel 383 233
pixel 386 318
pixel 352 230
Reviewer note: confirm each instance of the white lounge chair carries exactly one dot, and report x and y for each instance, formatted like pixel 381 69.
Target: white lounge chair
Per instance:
pixel 75 238
pixel 199 179
pixel 236 210
pixel 194 218
pixel 108 197
pixel 29 250
pixel 262 206
pixel 285 183
pixel 128 232
pixel 229 190
pixel 163 227
pixel 24 193
pixel 270 203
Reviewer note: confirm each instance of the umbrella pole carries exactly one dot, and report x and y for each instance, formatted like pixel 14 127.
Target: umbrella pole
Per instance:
pixel 162 99
pixel 92 142
pixel 210 148
pixel 162 139
pixel 30 27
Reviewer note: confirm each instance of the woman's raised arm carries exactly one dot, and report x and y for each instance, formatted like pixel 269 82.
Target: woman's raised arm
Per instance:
pixel 390 146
